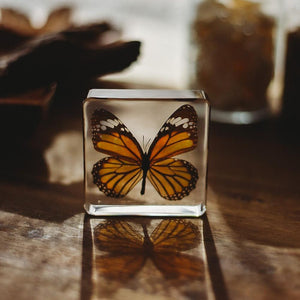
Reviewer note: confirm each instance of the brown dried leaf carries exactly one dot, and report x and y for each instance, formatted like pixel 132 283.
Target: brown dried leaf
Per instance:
pixel 16 21
pixel 55 58
pixel 59 19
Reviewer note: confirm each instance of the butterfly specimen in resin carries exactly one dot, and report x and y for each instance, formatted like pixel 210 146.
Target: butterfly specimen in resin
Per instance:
pixel 128 249
pixel 127 164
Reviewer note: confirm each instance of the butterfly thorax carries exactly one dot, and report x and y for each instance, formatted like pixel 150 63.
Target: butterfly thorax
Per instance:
pixel 145 168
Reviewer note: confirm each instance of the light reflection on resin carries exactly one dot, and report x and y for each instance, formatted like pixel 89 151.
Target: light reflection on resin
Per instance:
pixel 63 158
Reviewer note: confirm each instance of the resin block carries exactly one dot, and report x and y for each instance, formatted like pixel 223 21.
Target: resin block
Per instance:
pixel 145 152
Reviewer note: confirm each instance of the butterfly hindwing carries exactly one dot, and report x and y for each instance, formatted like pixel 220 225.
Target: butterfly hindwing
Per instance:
pixel 110 136
pixel 116 236
pixel 175 235
pixel 116 177
pixel 173 178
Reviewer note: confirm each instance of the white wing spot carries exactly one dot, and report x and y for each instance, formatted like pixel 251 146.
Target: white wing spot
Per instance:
pixel 175 121
pixel 171 121
pixel 185 125
pixel 103 127
pixel 106 123
pixel 181 122
pixel 113 122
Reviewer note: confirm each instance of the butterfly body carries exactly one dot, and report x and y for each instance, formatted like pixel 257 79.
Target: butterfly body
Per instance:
pixel 127 164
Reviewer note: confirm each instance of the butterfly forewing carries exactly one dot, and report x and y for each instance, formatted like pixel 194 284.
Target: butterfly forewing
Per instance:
pixel 177 135
pixel 110 136
pixel 179 266
pixel 119 267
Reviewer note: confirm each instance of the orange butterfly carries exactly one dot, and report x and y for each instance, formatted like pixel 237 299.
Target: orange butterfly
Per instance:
pixel 117 175
pixel 128 249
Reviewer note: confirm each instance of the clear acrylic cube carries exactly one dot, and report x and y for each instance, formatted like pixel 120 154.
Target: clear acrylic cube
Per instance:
pixel 145 152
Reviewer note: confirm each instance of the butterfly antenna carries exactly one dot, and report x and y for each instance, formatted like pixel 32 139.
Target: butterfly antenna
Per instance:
pixel 147 145
pixel 143 143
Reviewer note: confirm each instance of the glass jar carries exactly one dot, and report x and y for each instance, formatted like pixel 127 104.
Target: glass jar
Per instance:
pixel 291 103
pixel 237 57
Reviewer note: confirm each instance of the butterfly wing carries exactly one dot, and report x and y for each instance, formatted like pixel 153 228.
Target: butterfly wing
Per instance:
pixel 110 136
pixel 125 247
pixel 119 267
pixel 174 178
pixel 175 235
pixel 179 266
pixel 177 135
pixel 169 238
pixel 115 176
pixel 116 236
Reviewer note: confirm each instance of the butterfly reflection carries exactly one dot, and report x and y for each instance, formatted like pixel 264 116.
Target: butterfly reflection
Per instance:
pixel 129 248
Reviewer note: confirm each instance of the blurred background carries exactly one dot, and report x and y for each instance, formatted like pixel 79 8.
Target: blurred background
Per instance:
pixel 161 27
pixel 235 50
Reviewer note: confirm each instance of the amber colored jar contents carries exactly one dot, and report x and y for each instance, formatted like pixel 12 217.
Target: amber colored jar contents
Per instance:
pixel 235 54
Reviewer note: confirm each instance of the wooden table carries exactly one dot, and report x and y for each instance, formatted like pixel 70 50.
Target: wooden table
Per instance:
pixel 246 247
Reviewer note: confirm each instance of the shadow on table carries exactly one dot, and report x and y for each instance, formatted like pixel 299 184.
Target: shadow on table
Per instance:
pixel 28 186
pixel 42 177
pixel 253 194
pixel 255 175
pixel 213 263
pixel 86 288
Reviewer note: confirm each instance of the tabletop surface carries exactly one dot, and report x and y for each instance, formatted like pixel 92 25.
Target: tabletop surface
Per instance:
pixel 247 246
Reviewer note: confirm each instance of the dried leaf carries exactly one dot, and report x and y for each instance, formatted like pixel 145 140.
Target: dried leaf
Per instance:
pixel 16 21
pixel 58 20
pixel 32 58
pixel 56 58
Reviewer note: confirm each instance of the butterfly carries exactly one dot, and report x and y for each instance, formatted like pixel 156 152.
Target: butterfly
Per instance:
pixel 127 164
pixel 128 250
